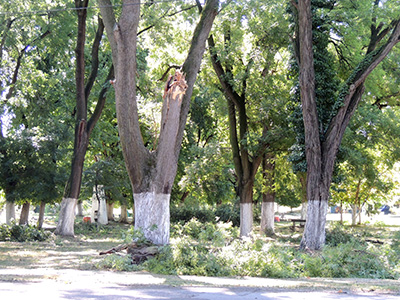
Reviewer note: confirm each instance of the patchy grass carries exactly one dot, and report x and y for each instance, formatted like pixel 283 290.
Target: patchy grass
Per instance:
pixel 80 252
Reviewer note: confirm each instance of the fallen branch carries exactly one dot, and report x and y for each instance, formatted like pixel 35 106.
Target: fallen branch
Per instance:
pixel 138 253
pixel 115 249
pixel 375 242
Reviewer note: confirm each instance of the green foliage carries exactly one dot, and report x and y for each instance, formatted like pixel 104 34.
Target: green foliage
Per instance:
pixel 134 235
pixel 186 213
pixel 337 234
pixel 352 259
pixel 215 249
pixel 117 262
pixel 228 213
pixel 223 213
pixel 22 233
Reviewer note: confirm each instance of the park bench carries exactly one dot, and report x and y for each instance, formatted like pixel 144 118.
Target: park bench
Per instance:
pixel 300 221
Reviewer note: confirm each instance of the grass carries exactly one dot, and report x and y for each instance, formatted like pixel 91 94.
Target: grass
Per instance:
pixel 80 252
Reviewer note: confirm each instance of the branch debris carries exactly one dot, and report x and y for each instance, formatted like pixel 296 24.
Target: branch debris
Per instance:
pixel 138 253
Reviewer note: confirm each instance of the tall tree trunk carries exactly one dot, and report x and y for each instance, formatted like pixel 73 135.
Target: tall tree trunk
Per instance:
pixel 110 210
pixel 10 212
pixel 102 208
pixel 24 217
pixel 83 128
pixel 79 208
pixel 65 224
pixel 41 215
pixel 356 209
pixel 152 174
pixel 268 203
pixel 317 193
pixel 341 212
pixel 246 208
pixel 303 182
pixel 124 214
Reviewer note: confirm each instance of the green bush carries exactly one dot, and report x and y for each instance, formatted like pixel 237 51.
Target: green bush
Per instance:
pixel 185 214
pixel 22 233
pixel 215 249
pixel 228 213
pixel 223 213
pixel 337 235
pixel 348 260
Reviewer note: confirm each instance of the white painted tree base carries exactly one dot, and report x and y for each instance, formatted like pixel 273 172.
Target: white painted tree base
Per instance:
pixel 99 206
pixel 10 212
pixel 314 231
pixel 268 217
pixel 246 219
pixel 65 225
pixel 303 212
pixel 152 216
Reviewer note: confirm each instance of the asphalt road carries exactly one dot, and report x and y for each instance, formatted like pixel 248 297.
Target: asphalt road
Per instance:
pixel 59 290
pixel 54 284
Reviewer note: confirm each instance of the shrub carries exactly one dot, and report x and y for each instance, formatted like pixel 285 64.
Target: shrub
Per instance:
pixel 215 249
pixel 185 214
pixel 228 213
pixel 337 234
pixel 224 213
pixel 22 233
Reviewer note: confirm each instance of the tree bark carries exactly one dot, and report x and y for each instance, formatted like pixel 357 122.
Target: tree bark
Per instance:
pixel 354 209
pixel 79 208
pixel 268 203
pixel 152 173
pixel 110 211
pixel 24 216
pixel 102 208
pixel 41 215
pixel 317 193
pixel 124 214
pixel 10 212
pixel 303 182
pixel 246 209
pixel 67 217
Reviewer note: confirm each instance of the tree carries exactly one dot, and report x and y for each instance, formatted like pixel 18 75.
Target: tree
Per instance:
pixel 321 151
pixel 364 180
pixel 30 140
pixel 245 78
pixel 83 127
pixel 152 173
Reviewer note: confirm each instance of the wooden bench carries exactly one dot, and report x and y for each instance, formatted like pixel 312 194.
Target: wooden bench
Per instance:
pixel 300 221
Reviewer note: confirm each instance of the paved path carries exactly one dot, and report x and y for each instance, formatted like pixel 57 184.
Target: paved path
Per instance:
pixel 53 284
pixel 59 290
